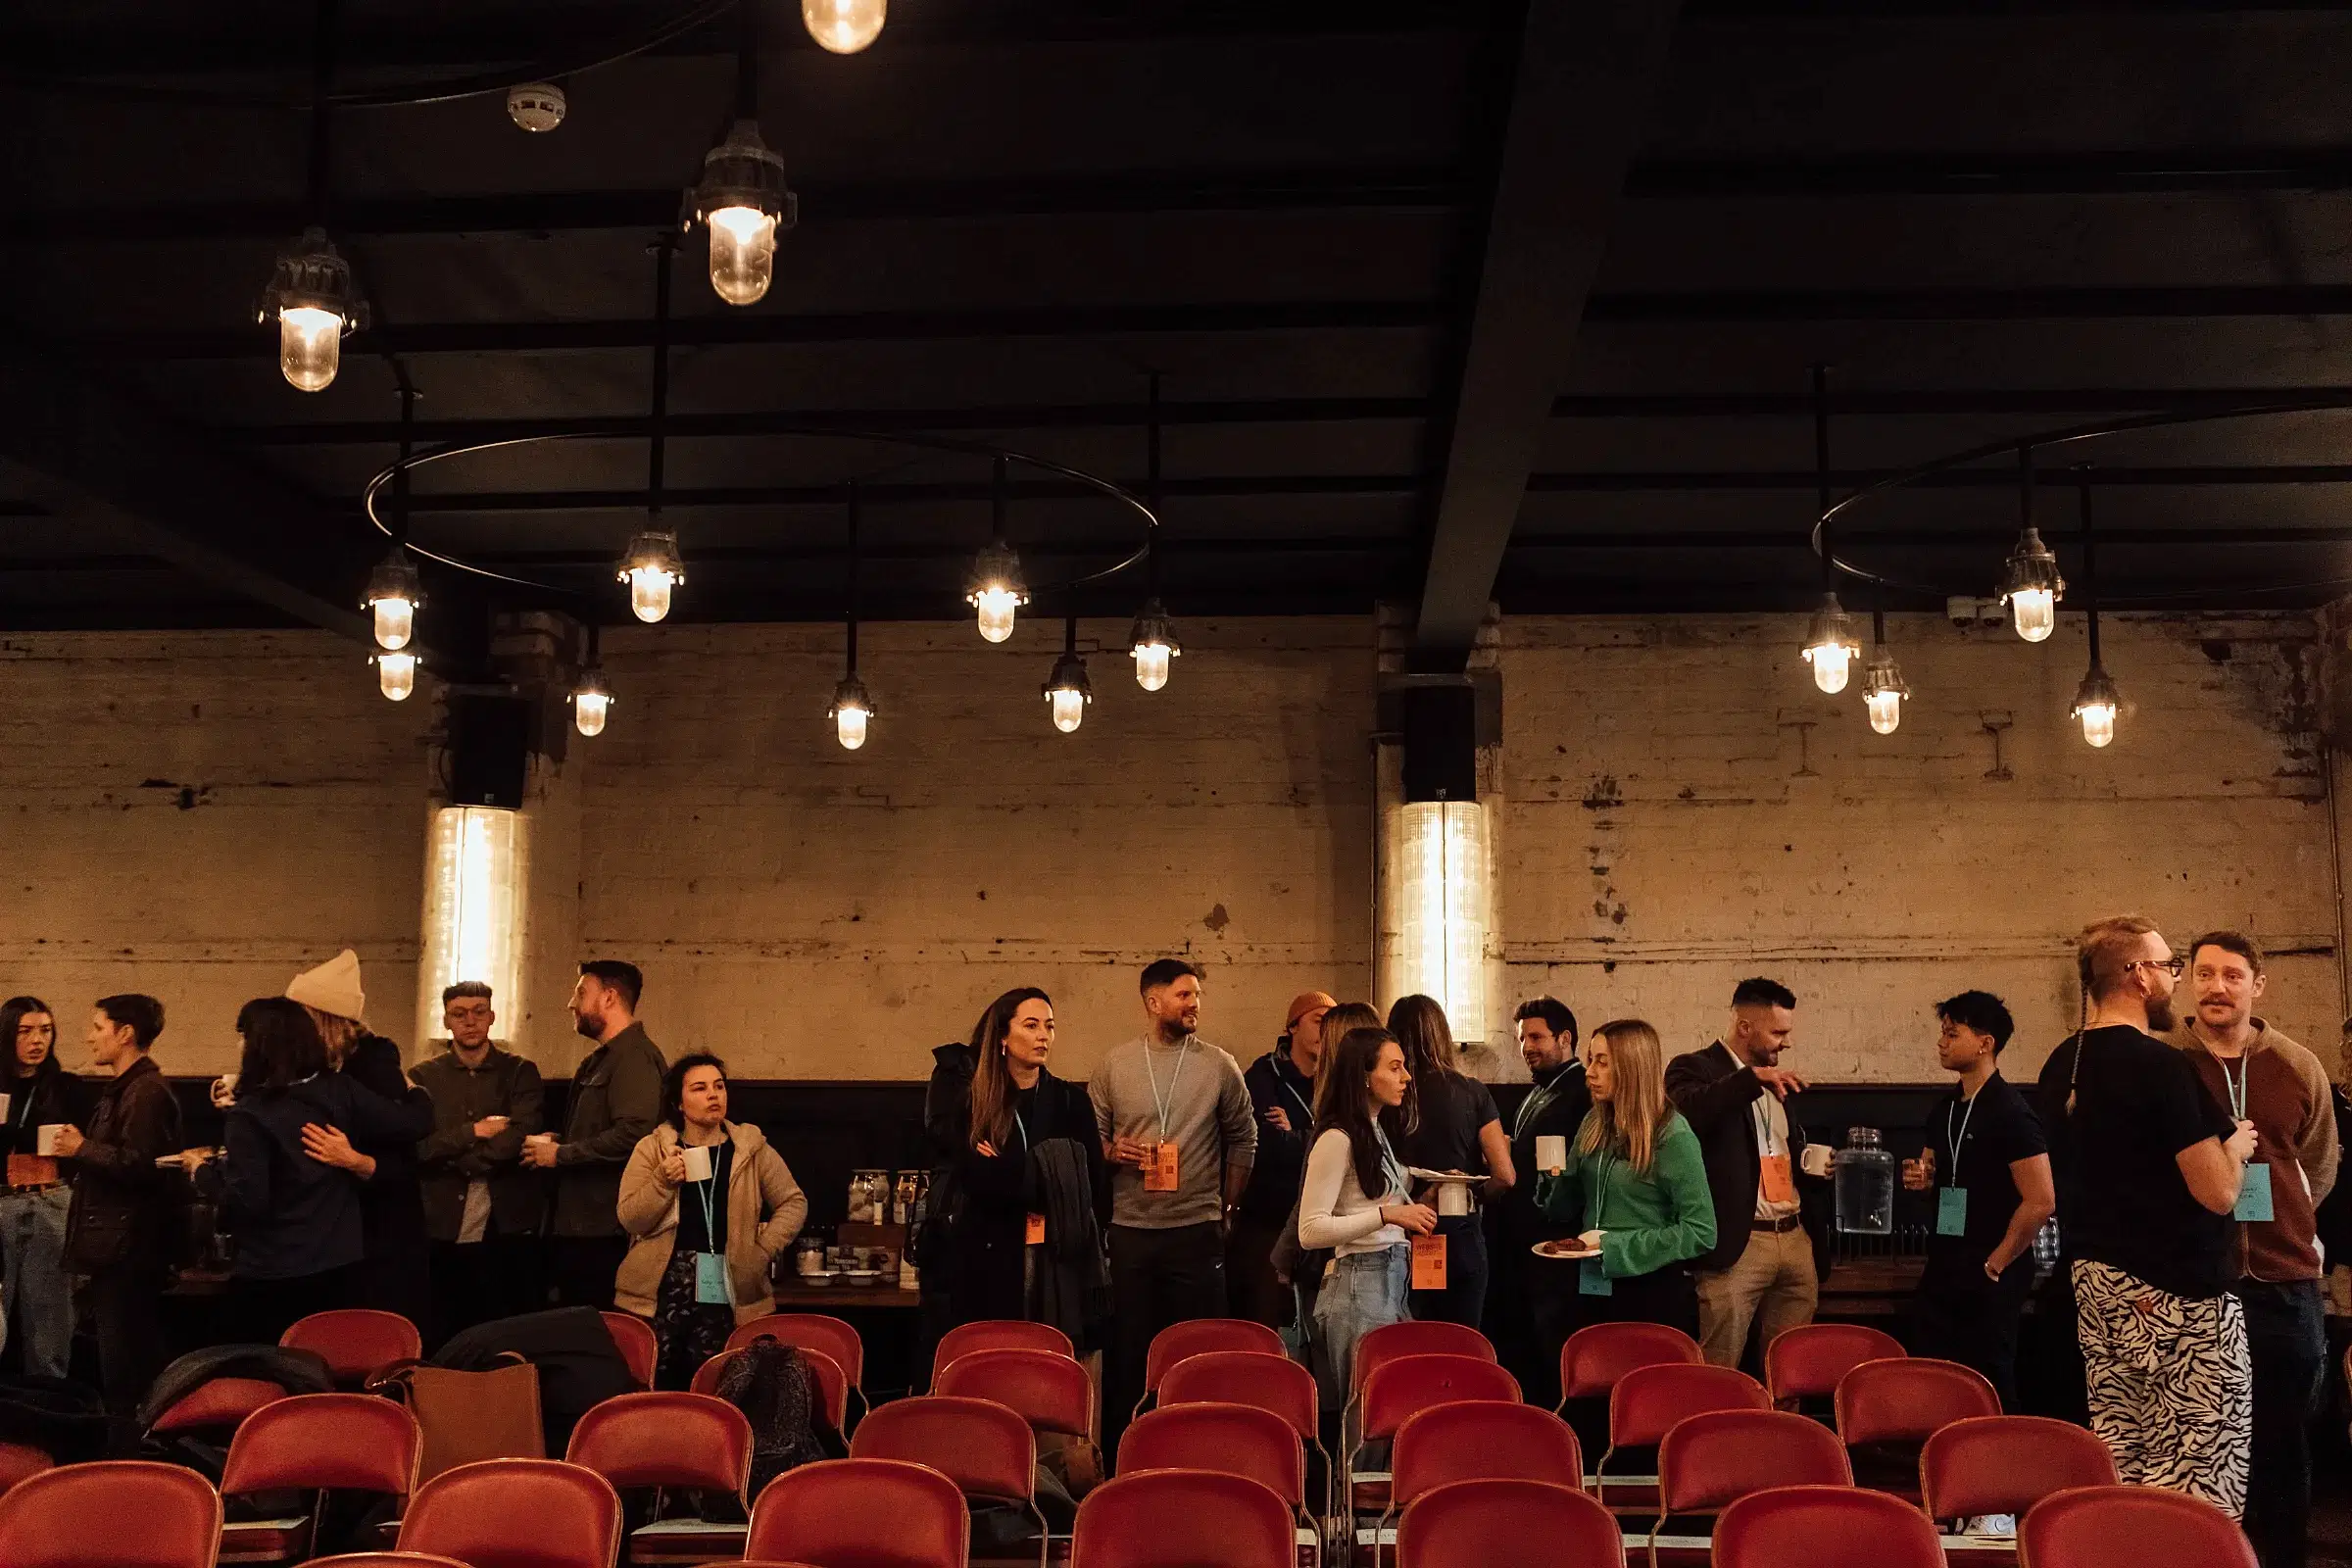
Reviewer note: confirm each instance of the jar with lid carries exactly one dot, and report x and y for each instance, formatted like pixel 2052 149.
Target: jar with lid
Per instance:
pixel 902 1202
pixel 869 1197
pixel 1865 1175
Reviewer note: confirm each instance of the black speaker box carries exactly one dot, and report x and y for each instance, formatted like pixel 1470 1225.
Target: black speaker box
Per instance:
pixel 1441 743
pixel 489 750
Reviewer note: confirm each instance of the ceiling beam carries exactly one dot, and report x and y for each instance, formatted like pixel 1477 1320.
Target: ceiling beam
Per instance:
pixel 1760 307
pixel 2053 173
pixel 1583 82
pixel 1899 403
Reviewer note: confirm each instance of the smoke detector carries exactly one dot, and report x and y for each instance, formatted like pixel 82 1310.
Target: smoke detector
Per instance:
pixel 536 106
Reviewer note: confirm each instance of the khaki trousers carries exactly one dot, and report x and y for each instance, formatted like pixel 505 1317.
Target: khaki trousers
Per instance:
pixel 1772 1281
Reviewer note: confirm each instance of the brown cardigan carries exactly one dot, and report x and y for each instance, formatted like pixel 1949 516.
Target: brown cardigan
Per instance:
pixel 2289 1102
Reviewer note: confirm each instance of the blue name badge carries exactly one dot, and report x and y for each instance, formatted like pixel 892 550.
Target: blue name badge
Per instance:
pixel 1590 1279
pixel 710 1286
pixel 2254 1194
pixel 1952 1212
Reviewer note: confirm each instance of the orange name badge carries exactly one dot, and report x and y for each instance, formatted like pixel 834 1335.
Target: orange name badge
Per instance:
pixel 1037 1231
pixel 1429 1263
pixel 1159 1167
pixel 1778 1185
pixel 30 1170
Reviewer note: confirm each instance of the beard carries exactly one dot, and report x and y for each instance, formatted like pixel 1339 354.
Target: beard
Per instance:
pixel 585 1025
pixel 2159 1014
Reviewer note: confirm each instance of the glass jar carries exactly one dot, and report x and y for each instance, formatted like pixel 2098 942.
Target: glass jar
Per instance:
pixel 1865 1178
pixel 869 1197
pixel 901 1203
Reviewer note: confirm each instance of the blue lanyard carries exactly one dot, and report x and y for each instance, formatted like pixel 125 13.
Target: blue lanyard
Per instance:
pixel 703 1191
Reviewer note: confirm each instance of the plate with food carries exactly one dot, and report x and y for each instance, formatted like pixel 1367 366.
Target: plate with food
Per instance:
pixel 1566 1250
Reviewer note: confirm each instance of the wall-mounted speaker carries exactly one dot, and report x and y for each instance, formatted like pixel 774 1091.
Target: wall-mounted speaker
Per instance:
pixel 489 749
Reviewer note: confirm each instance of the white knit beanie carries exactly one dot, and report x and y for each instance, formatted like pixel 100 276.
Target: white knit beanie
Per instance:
pixel 331 988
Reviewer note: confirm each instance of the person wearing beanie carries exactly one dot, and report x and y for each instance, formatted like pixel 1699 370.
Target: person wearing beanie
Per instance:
pixel 1282 1093
pixel 395 1268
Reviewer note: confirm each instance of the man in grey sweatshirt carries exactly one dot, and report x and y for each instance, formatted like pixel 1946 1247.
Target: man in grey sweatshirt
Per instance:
pixel 1179 1131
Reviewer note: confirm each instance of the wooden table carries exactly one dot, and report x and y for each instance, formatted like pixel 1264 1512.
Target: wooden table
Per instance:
pixel 1871 1287
pixel 792 1296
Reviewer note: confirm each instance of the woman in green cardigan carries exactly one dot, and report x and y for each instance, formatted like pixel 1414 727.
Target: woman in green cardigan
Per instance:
pixel 1635 1175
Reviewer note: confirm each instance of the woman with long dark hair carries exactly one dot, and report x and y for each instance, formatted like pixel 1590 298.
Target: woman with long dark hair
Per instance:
pixel 1450 1123
pixel 708 1206
pixel 36 1306
pixel 1354 1201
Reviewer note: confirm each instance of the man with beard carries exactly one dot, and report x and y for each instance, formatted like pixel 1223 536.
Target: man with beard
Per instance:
pixel 616 1099
pixel 2153 1172
pixel 1532 1305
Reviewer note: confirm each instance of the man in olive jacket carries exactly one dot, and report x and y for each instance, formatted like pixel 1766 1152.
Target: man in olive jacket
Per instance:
pixel 483 1208
pixel 616 1099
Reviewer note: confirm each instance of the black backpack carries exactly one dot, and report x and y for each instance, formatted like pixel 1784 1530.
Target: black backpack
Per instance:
pixel 779 1394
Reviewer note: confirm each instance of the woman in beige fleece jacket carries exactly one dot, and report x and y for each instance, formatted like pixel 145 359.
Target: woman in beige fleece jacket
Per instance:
pixel 693 1291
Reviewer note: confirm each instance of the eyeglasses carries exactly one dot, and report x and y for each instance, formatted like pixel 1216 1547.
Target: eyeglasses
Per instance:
pixel 2172 966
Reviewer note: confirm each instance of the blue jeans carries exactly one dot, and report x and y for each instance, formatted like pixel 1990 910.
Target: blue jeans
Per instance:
pixel 1364 1290
pixel 34 1300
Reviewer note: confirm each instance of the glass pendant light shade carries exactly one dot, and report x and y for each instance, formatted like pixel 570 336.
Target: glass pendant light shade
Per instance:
pixel 2032 587
pixel 2096 702
pixel 393 594
pixel 1884 691
pixel 1830 646
pixel 997 590
pixel 852 711
pixel 652 568
pixel 1069 692
pixel 312 299
pixel 1151 643
pixel 844 26
pixel 743 202
pixel 591 701
pixel 396 675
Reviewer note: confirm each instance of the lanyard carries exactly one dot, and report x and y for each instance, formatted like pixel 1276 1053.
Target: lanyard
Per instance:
pixel 1536 1101
pixel 1955 1141
pixel 1025 1127
pixel 1768 1142
pixel 1307 1110
pixel 1390 1170
pixel 2238 1086
pixel 1151 1072
pixel 1596 1211
pixel 710 1242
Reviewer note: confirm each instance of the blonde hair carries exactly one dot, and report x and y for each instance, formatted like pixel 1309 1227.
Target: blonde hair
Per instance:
pixel 1627 1122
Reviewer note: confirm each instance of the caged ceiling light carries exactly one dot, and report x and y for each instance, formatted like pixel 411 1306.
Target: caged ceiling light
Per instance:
pixel 1883 687
pixel 2096 700
pixel 591 694
pixel 997 591
pixel 2030 586
pixel 651 564
pixel 1067 691
pixel 853 708
pixel 311 295
pixel 1830 646
pixel 395 675
pixel 394 591
pixel 742 199
pixel 1151 641
pixel 844 26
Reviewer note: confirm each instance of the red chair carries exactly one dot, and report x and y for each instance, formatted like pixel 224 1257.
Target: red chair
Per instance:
pixel 19 1462
pixel 1052 1393
pixel 1528 1524
pixel 809 1331
pixel 2006 1464
pixel 1199 1337
pixel 223 1403
pixel 1890 1409
pixel 998 1334
pixel 1477 1439
pixel 985 1448
pixel 1596 1356
pixel 357 1341
pixel 1183 1519
pixel 1273 1383
pixel 1806 1362
pixel 1393 1341
pixel 830 1378
pixel 861 1513
pixel 1230 1440
pixel 315 1442
pixel 1709 1461
pixel 1406 1387
pixel 633 1338
pixel 662 1440
pixel 1825 1526
pixel 516 1513
pixel 383 1559
pixel 2128 1526
pixel 1648 1400
pixel 117 1513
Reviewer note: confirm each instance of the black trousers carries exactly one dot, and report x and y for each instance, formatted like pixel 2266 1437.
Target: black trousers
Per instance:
pixel 480 1282
pixel 260 1312
pixel 582 1268
pixel 1156 1278
pixel 1463 1300
pixel 124 1306
pixel 1668 1295
pixel 2287 1334
pixel 1250 1278
pixel 1962 1316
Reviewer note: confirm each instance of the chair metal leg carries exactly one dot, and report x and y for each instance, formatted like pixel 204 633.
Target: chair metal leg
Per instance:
pixel 1045 1535
pixel 1654 1539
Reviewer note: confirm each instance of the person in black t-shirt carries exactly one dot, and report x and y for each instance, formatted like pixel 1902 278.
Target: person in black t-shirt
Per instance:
pixel 1450 1124
pixel 1989 1167
pixel 2154 1172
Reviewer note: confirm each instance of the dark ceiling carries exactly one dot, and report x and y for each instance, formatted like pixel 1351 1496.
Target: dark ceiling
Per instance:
pixel 1415 276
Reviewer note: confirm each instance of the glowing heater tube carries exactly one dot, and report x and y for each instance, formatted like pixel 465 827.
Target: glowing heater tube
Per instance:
pixel 476 889
pixel 1443 911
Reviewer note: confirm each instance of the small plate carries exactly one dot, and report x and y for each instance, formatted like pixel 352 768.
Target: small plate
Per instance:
pixel 1420 1175
pixel 1564 1251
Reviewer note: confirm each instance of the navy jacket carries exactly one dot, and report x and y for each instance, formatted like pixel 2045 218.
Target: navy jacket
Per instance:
pixel 1274 1080
pixel 292 1215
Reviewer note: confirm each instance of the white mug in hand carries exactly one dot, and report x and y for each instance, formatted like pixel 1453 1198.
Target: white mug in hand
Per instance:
pixel 1551 1153
pixel 45 1137
pixel 697 1163
pixel 1816 1159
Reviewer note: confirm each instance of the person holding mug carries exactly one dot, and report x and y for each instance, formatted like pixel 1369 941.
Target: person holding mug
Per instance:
pixel 1354 1201
pixel 1635 1175
pixel 708 1205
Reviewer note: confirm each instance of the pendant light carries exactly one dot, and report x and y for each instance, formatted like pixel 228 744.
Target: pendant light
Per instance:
pixel 591 696
pixel 844 26
pixel 1067 691
pixel 310 296
pixel 1151 641
pixel 996 590
pixel 651 564
pixel 394 589
pixel 2096 700
pixel 1883 687
pixel 2031 586
pixel 1830 646
pixel 853 707
pixel 395 675
pixel 742 199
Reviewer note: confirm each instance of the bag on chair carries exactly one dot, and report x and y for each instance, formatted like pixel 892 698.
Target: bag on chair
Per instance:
pixel 465 1416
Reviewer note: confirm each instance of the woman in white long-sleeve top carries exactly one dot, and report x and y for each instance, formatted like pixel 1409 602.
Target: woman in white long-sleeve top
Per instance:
pixel 1369 1235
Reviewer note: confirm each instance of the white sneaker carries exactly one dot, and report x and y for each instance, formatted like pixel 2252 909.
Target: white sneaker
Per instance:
pixel 1997 1526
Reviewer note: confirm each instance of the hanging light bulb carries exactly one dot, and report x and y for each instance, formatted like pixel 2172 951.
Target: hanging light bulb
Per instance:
pixel 1067 691
pixel 652 568
pixel 310 299
pixel 852 711
pixel 844 26
pixel 1151 644
pixel 1830 646
pixel 393 594
pixel 396 675
pixel 2096 702
pixel 591 701
pixel 2032 587
pixel 743 202
pixel 995 589
pixel 1884 691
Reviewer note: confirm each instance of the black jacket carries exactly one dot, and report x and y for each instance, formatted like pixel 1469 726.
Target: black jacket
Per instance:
pixel 451 1158
pixel 1274 1081
pixel 292 1215
pixel 1567 1100
pixel 1713 1091
pixel 51 1096
pixel 123 1204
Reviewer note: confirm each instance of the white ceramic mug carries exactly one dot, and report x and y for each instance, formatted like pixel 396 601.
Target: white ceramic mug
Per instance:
pixel 698 1162
pixel 1551 1152
pixel 1816 1159
pixel 1453 1198
pixel 46 1137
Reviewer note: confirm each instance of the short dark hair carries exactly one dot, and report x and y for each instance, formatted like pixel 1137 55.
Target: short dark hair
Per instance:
pixel 1166 972
pixel 621 977
pixel 142 1016
pixel 1982 1011
pixel 2237 942
pixel 465 988
pixel 1552 1010
pixel 282 1047
pixel 673 1084
pixel 1758 992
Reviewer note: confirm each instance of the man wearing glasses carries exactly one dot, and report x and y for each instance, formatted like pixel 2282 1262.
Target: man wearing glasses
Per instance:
pixel 2155 1171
